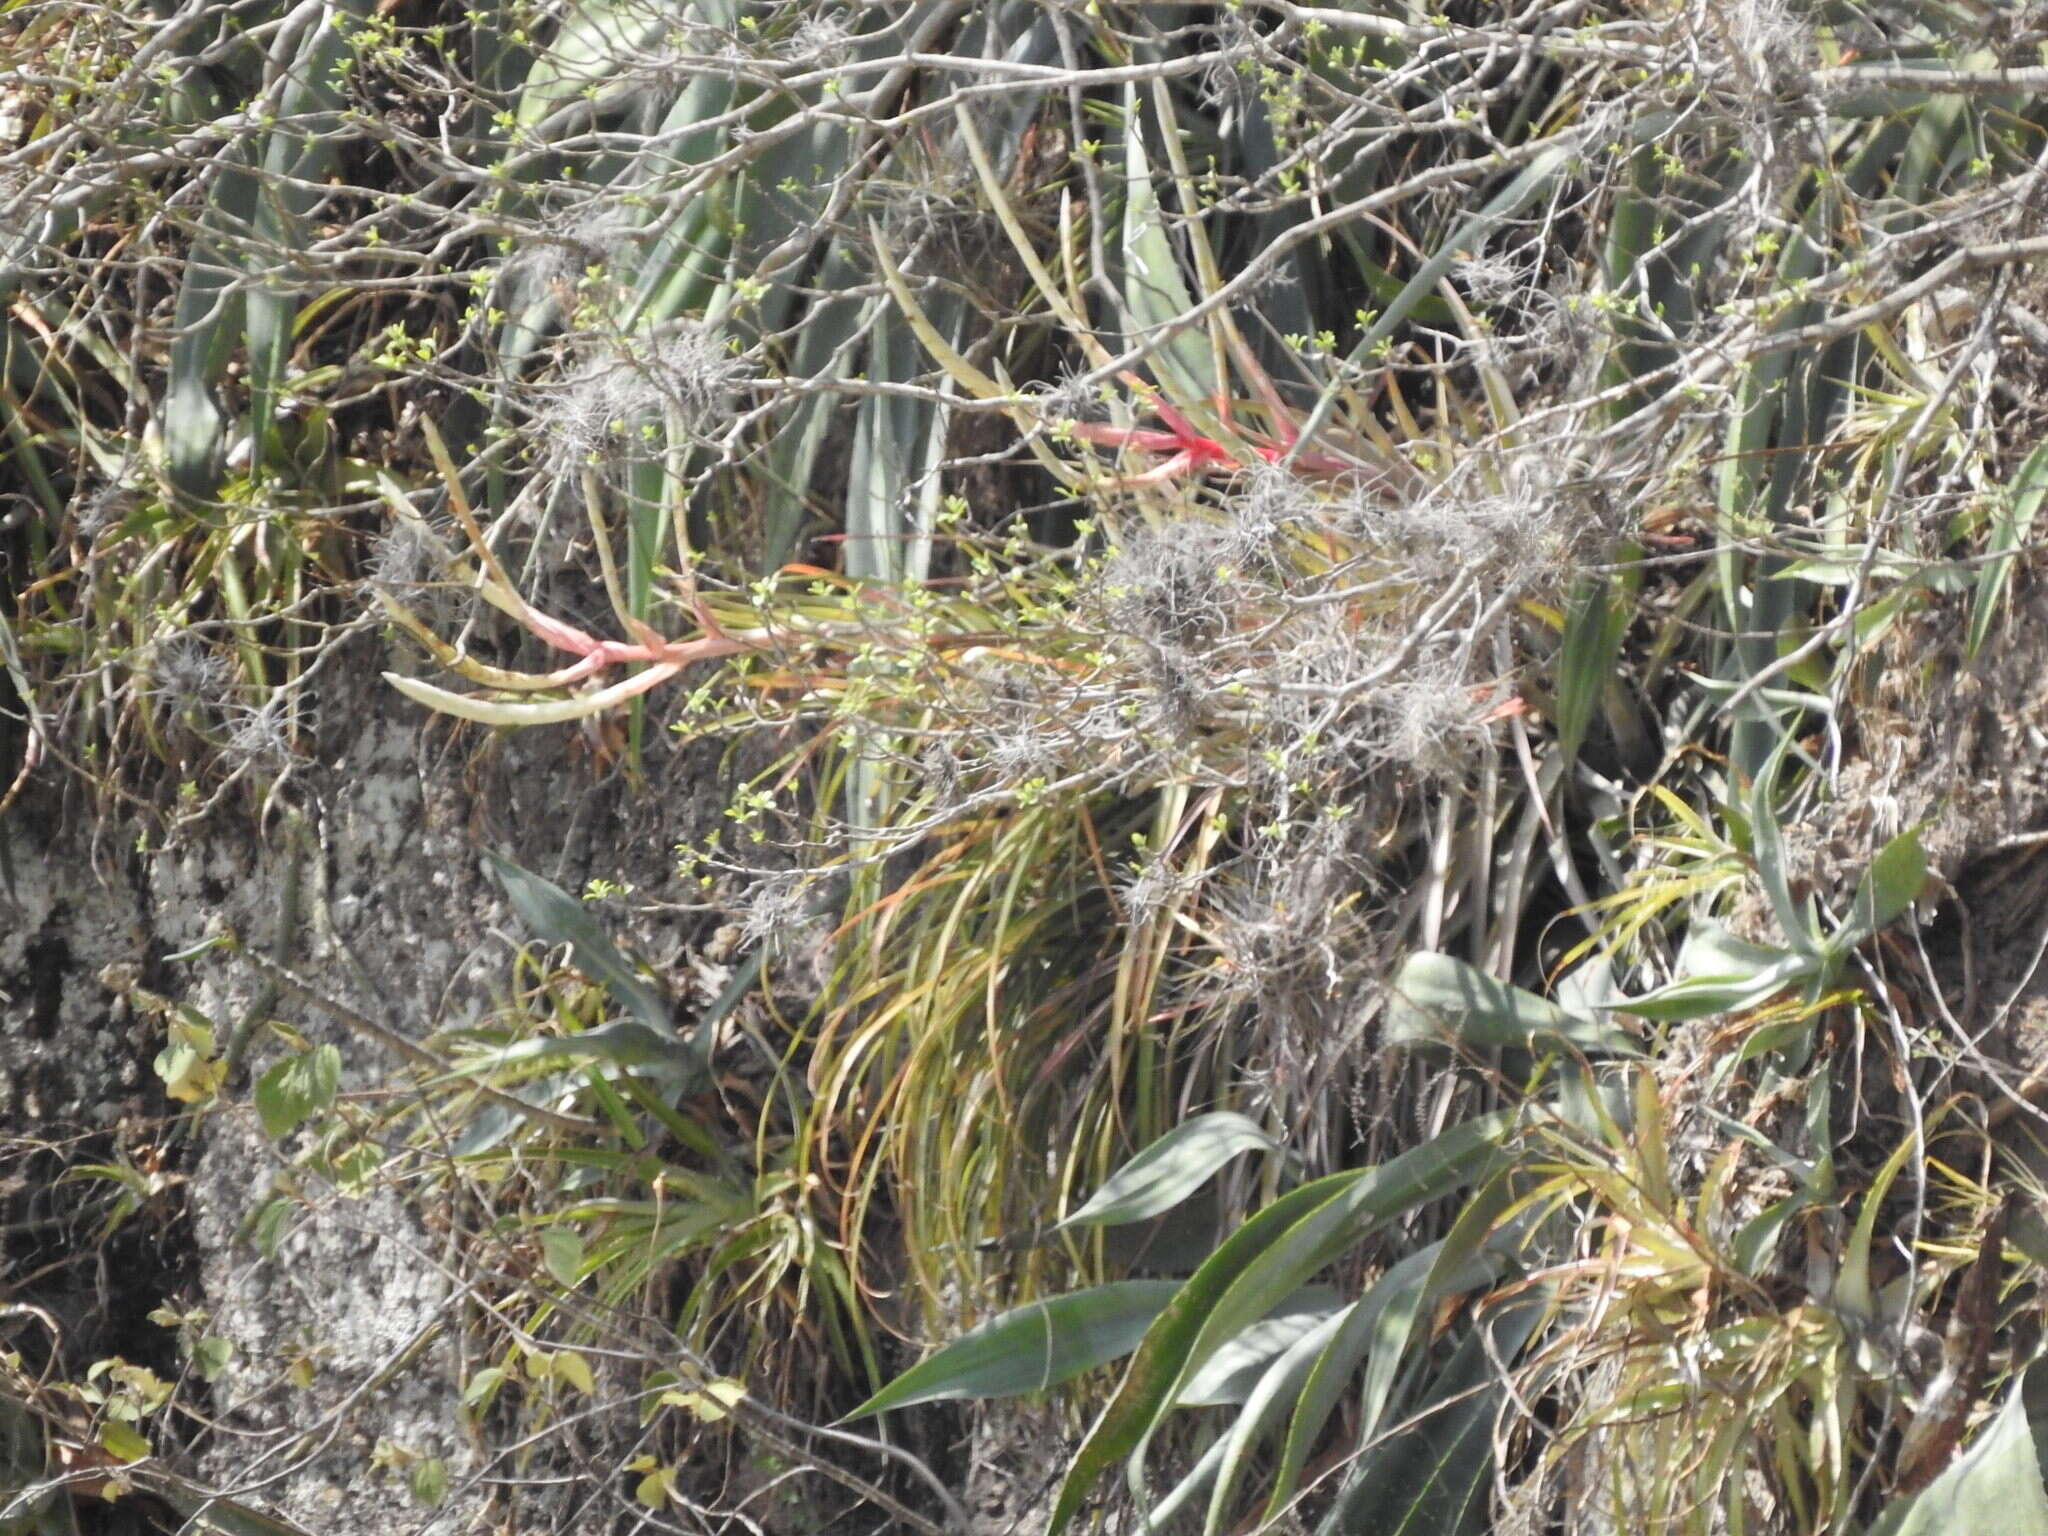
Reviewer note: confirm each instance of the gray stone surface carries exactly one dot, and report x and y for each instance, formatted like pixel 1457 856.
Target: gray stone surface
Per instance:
pixel 349 1336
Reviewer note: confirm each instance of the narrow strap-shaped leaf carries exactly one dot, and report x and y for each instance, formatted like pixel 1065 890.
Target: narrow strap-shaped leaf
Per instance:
pixel 1154 290
pixel 209 313
pixel 1232 1374
pixel 1032 1347
pixel 1257 1268
pixel 1170 1170
pixel 2010 524
pixel 1437 1000
pixel 1432 1478
pixel 1278 1391
pixel 559 918
pixel 1595 623
pixel 298 154
pixel 1331 1376
pixel 1155 1371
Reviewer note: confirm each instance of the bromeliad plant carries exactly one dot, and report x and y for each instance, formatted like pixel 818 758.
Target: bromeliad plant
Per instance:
pixel 1626 1253
pixel 1157 736
pixel 1211 513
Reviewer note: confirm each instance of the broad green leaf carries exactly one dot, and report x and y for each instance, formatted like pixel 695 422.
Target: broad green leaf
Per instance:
pixel 1438 1000
pixel 1170 1170
pixel 296 1089
pixel 1996 1485
pixel 1891 885
pixel 1436 1168
pixel 1032 1347
pixel 428 1480
pixel 266 1228
pixel 483 1386
pixel 123 1442
pixel 562 1251
pixel 1700 997
pixel 211 1356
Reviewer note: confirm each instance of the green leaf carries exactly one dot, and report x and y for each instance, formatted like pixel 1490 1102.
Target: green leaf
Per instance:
pixel 1720 973
pixel 428 1480
pixel 483 1386
pixel 1996 1485
pixel 1471 235
pixel 1459 1265
pixel 1891 885
pixel 210 1356
pixel 1432 1478
pixel 1853 1291
pixel 1032 1347
pixel 571 1369
pixel 266 1228
pixel 1254 1271
pixel 296 1089
pixel 559 918
pixel 1153 1375
pixel 209 314
pixel 297 158
pixel 1767 846
pixel 596 43
pixel 1594 626
pixel 1278 1389
pixel 1438 1000
pixel 1170 1170
pixel 562 1251
pixel 1358 1333
pixel 2010 525
pixel 123 1442
pixel 1233 1372
pixel 1154 290
pixel 625 1043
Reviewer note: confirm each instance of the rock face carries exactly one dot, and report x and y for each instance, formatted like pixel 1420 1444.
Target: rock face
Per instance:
pixel 360 872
